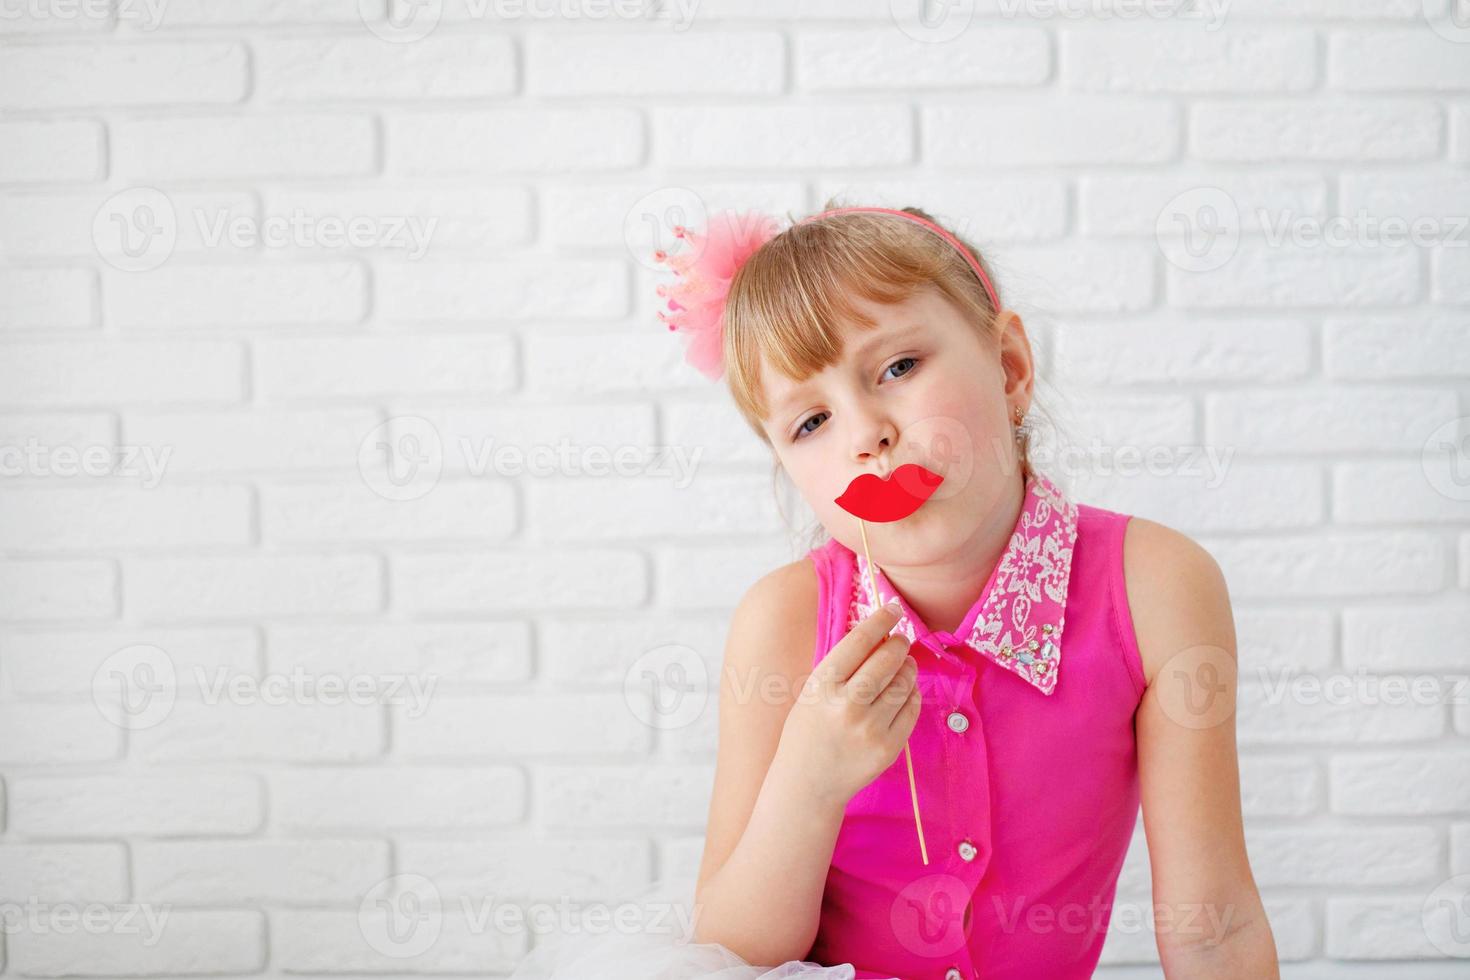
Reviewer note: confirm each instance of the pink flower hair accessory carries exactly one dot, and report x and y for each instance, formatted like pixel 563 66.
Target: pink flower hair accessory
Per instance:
pixel 697 301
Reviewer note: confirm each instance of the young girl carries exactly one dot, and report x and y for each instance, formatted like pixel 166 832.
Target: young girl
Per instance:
pixel 931 766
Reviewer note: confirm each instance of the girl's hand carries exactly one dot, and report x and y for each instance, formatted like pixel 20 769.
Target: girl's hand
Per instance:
pixel 856 710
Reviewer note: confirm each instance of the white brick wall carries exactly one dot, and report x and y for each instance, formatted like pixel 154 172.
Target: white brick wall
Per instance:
pixel 259 674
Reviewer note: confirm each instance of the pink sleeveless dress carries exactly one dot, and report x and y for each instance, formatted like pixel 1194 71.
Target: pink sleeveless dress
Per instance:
pixel 1025 771
pixel 1024 762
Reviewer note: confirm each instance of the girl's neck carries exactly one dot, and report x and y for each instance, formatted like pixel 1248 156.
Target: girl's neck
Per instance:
pixel 942 593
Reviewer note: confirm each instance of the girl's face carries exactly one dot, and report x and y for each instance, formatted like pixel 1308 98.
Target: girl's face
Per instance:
pixel 921 387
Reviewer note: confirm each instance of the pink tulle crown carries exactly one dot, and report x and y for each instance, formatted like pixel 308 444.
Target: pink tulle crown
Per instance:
pixel 697 301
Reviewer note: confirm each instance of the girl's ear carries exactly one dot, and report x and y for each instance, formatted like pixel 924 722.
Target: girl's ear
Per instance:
pixel 1016 358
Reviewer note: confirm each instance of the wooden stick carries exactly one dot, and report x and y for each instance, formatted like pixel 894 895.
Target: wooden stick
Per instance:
pixel 908 758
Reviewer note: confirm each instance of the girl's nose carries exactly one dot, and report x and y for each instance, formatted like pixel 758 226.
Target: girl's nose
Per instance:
pixel 873 435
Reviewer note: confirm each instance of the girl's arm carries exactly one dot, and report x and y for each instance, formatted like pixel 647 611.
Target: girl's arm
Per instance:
pixel 1208 918
pixel 769 841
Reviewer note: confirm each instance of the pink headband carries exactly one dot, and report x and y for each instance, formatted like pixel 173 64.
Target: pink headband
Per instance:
pixel 697 302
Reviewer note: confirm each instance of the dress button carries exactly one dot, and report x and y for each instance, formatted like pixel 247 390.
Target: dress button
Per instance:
pixel 953 973
pixel 967 850
pixel 957 721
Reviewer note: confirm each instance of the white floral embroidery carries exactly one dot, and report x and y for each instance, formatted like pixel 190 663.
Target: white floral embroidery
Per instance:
pixel 1019 627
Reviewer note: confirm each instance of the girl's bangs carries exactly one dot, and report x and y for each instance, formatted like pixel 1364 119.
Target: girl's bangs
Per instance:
pixel 789 302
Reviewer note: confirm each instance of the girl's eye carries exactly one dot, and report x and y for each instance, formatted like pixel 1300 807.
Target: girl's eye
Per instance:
pixel 803 430
pixel 901 360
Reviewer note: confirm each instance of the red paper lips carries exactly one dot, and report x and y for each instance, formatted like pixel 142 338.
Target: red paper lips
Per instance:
pixel 874 499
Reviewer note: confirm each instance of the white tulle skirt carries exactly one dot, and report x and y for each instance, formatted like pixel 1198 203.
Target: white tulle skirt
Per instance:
pixel 662 953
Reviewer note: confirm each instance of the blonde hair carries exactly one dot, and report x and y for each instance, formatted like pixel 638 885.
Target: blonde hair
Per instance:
pixel 787 300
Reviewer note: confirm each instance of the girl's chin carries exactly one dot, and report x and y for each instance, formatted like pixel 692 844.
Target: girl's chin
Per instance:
pixel 930 529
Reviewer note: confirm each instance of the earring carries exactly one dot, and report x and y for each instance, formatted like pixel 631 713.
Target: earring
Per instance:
pixel 1020 424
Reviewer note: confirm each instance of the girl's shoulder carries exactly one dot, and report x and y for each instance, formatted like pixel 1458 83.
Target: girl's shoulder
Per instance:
pixel 780 611
pixel 1176 594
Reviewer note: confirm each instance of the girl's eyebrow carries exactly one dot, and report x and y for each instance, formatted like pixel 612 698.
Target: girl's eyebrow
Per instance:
pixel 875 339
pixel 880 337
pixel 783 404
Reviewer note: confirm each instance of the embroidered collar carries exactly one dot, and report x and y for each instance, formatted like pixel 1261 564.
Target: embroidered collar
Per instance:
pixel 1017 621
